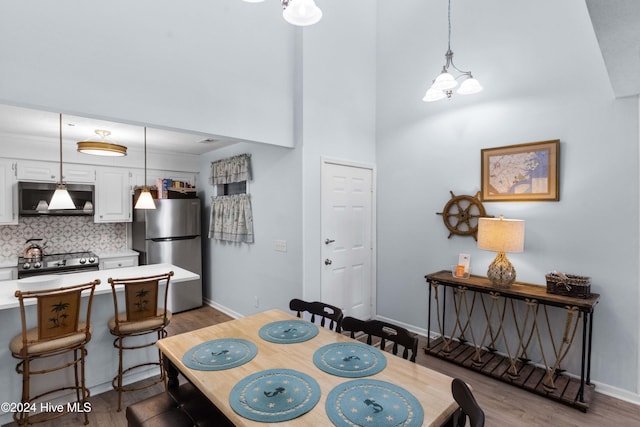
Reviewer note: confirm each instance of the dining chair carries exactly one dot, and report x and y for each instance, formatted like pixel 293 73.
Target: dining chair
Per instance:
pixel 145 313
pixel 59 329
pixel 386 332
pixel 324 311
pixel 469 408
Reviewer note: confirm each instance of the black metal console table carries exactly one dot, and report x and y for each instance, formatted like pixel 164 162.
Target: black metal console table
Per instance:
pixel 491 335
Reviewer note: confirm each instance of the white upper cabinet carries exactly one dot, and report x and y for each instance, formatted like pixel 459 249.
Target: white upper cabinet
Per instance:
pixel 113 195
pixel 8 193
pixel 31 170
pixel 78 174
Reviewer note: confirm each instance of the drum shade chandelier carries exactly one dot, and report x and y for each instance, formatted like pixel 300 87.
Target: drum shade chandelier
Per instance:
pixel 145 199
pixel 443 85
pixel 298 12
pixel 101 147
pixel 61 198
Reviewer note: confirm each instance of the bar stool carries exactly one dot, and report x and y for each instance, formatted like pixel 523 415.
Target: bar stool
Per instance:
pixel 142 316
pixel 59 330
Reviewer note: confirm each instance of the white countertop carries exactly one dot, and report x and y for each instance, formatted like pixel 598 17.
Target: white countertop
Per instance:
pixel 8 261
pixel 9 287
pixel 117 254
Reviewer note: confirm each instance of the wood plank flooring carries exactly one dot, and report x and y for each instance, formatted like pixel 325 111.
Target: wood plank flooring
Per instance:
pixel 504 405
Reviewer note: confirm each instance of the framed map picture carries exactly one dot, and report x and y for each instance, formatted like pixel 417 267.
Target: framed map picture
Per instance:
pixel 523 172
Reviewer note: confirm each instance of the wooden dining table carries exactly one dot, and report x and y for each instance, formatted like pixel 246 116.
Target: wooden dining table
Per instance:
pixel 432 389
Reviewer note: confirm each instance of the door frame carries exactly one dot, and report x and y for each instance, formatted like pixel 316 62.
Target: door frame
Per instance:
pixel 362 165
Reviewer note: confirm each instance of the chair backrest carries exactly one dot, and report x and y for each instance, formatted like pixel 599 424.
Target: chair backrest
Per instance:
pixel 386 332
pixel 141 297
pixel 468 405
pixel 58 312
pixel 316 308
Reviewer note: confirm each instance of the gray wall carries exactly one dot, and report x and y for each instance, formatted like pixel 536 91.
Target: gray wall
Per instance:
pixel 426 150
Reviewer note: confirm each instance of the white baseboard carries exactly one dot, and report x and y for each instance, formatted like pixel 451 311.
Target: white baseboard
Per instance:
pixel 222 308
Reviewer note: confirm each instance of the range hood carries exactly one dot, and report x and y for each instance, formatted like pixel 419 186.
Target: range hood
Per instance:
pixel 33 199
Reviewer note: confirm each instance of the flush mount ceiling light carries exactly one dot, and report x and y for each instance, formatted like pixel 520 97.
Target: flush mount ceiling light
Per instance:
pixel 298 12
pixel 102 147
pixel 444 84
pixel 61 198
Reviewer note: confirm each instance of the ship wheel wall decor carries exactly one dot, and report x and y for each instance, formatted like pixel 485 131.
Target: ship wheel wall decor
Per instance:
pixel 461 213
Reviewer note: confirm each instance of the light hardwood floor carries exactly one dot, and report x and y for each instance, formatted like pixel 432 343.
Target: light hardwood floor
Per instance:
pixel 503 404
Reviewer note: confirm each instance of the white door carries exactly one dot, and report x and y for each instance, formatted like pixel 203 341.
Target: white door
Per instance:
pixel 347 238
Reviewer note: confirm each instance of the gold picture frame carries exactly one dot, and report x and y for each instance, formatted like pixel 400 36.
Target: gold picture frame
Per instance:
pixel 522 172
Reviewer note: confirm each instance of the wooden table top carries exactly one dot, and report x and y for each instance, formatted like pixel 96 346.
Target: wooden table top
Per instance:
pixel 431 388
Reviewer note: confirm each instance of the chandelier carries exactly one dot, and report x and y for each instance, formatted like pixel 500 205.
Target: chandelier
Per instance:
pixel 443 85
pixel 298 12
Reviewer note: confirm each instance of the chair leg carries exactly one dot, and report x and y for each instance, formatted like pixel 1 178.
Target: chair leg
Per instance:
pixel 23 417
pixel 119 374
pixel 83 390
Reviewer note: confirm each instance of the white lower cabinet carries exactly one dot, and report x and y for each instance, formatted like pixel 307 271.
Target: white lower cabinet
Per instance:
pixel 118 262
pixel 113 195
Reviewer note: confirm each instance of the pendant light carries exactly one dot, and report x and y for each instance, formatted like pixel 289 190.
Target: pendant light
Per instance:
pixel 298 12
pixel 444 84
pixel 61 198
pixel 145 200
pixel 103 147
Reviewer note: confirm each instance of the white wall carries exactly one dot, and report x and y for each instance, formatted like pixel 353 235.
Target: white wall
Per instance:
pixel 205 66
pixel 234 273
pixel 556 88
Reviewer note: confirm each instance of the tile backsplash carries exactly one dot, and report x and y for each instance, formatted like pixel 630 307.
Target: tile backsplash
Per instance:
pixel 62 234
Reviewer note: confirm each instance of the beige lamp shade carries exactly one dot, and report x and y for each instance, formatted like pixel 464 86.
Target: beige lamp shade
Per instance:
pixel 501 235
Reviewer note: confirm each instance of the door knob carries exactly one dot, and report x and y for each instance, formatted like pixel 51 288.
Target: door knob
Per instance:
pixel 327 261
pixel 327 241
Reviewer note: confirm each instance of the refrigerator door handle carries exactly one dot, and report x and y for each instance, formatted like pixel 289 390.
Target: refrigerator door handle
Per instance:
pixel 172 239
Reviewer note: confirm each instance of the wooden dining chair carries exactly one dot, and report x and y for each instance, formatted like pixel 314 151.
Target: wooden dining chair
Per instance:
pixel 326 312
pixel 386 332
pixel 144 314
pixel 60 329
pixel 469 408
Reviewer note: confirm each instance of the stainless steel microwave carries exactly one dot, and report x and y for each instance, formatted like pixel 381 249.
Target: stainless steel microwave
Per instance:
pixel 34 197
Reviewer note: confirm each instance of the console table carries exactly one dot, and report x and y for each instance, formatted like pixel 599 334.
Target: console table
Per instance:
pixel 520 335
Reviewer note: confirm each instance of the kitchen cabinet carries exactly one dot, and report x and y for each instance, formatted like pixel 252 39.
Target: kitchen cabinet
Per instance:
pixel 78 174
pixel 113 195
pixel 32 170
pixel 118 262
pixel 8 193
pixel 8 274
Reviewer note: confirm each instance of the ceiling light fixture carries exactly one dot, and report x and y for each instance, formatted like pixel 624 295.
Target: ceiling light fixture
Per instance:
pixel 61 198
pixel 145 199
pixel 443 85
pixel 102 147
pixel 298 12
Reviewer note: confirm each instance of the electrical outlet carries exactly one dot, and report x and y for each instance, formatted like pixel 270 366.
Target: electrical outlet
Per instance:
pixel 280 245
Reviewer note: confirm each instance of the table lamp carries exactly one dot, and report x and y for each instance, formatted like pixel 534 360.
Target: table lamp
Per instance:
pixel 501 235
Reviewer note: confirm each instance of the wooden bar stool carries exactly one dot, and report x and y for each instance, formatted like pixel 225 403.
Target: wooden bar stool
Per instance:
pixel 142 316
pixel 59 330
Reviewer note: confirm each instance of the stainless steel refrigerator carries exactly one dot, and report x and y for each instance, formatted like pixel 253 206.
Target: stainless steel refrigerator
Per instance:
pixel 171 233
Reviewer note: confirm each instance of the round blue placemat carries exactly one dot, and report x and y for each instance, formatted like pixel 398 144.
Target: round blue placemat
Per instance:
pixel 373 403
pixel 288 331
pixel 274 395
pixel 223 353
pixel 349 359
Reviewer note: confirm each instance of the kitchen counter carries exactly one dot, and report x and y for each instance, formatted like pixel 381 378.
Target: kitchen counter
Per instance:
pixel 117 254
pixel 8 261
pixel 102 357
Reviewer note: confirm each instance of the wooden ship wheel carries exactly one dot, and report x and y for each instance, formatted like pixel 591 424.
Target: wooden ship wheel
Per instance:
pixel 461 213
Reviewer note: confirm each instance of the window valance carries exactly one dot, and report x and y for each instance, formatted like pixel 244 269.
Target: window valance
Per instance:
pixel 232 169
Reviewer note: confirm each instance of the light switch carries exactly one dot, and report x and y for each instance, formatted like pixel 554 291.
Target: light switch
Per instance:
pixel 280 245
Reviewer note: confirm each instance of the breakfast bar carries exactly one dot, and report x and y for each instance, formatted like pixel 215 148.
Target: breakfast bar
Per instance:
pixel 102 357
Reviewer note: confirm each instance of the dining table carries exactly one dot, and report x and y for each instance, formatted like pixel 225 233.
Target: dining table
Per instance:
pixel 431 390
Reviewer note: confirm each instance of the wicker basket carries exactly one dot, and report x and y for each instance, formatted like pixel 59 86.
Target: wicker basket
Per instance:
pixel 569 285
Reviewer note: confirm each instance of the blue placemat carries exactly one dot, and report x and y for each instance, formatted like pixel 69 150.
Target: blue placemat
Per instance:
pixel 216 355
pixel 288 331
pixel 274 395
pixel 373 403
pixel 349 359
